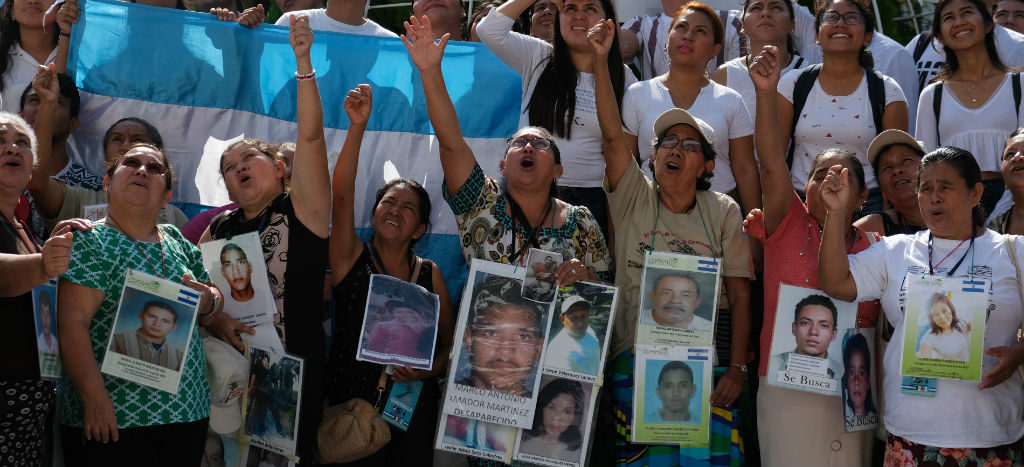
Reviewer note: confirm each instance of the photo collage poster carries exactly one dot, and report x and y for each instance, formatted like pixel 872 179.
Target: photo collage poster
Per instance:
pixel 270 409
pixel 236 266
pixel 152 331
pixel 944 327
pixel 672 395
pixel 495 402
pixel 860 365
pixel 674 349
pixel 44 304
pixel 806 351
pixel 399 324
pixel 576 351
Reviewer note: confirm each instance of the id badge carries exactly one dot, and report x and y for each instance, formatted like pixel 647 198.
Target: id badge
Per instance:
pixel 918 386
pixel 401 403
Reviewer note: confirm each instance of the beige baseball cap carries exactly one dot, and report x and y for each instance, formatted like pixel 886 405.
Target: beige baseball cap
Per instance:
pixel 888 138
pixel 673 117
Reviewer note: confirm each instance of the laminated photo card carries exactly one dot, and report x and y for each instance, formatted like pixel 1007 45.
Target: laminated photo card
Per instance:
pixel 860 367
pixel 944 327
pixel 237 268
pixel 561 425
pixel 580 331
pixel 271 407
pixel 498 348
pixel 806 350
pixel 476 438
pixel 44 304
pixel 152 331
pixel 678 300
pixel 399 324
pixel 539 283
pixel 672 395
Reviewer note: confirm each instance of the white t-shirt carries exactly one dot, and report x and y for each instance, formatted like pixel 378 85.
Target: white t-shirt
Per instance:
pixel 891 60
pixel 583 153
pixel 652 32
pixel 738 79
pixel 568 353
pixel 319 21
pixel 1009 45
pixel 720 107
pixel 829 121
pixel 959 415
pixel 982 131
pixel 19 76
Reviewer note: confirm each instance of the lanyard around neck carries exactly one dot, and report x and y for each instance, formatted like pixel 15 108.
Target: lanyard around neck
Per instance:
pixel 970 249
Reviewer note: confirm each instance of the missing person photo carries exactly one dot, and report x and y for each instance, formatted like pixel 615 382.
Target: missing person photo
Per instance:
pixel 858 382
pixel 503 338
pixel 943 333
pixel 152 329
pixel 46 321
pixel 237 268
pixel 477 435
pixel 672 392
pixel 399 324
pixel 539 284
pixel 559 424
pixel 579 328
pixel 678 299
pixel 272 401
pixel 257 457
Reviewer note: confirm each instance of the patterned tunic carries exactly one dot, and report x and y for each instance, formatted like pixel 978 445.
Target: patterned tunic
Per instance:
pixel 100 259
pixel 486 228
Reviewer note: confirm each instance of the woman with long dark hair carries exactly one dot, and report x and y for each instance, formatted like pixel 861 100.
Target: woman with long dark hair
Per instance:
pixel 971 102
pixel 27 41
pixel 558 89
pixel 839 110
pixel 556 423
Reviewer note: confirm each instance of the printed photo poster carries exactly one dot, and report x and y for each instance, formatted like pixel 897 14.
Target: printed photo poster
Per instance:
pixel 672 395
pixel 222 451
pixel 44 304
pixel 498 348
pixel 860 365
pixel 580 331
pixel 270 411
pixel 399 324
pixel 476 438
pixel 152 331
pixel 806 350
pixel 678 300
pixel 257 457
pixel 539 284
pixel 561 425
pixel 944 327
pixel 237 268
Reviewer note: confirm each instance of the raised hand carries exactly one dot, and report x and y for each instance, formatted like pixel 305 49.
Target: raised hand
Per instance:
pixel 835 189
pixel 601 36
pixel 765 69
pixel 358 104
pixel 45 83
pixel 419 40
pixel 252 16
pixel 300 35
pixel 67 15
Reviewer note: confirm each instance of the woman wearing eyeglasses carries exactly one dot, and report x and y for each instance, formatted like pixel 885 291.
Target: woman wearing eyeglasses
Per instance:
pixel 970 105
pixel 112 421
pixel 839 112
pixel 501 220
pixel 675 212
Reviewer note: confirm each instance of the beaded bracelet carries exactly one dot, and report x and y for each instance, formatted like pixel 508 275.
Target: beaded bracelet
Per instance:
pixel 306 76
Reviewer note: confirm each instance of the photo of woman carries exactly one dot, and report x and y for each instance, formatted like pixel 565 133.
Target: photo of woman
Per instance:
pixel 947 336
pixel 556 432
pixel 857 393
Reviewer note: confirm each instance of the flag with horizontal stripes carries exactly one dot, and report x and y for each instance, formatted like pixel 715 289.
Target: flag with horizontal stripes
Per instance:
pixel 205 83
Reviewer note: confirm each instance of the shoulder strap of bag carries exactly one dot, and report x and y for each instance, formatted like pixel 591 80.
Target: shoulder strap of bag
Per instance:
pixel 1015 80
pixel 923 41
pixel 876 96
pixel 801 89
pixel 937 110
pixel 1011 247
pixel 416 269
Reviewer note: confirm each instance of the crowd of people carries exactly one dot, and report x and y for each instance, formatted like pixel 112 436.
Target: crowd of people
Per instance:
pixel 796 146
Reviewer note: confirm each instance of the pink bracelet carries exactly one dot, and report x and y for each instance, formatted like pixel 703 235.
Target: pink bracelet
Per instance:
pixel 305 77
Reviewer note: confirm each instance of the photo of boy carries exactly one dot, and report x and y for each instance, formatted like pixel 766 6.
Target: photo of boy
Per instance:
pixel 149 342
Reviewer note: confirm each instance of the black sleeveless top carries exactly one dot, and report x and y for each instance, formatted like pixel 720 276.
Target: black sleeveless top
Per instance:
pixel 899 226
pixel 347 377
pixel 18 344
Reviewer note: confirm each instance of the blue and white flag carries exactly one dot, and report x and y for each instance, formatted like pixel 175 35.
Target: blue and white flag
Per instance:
pixel 205 83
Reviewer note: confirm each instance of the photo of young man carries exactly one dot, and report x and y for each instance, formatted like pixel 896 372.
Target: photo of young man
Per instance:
pixel 675 389
pixel 149 342
pixel 814 327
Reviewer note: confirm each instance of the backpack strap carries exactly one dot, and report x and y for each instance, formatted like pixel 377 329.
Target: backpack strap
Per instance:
pixel 937 110
pixel 876 95
pixel 1015 81
pixel 923 41
pixel 801 89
